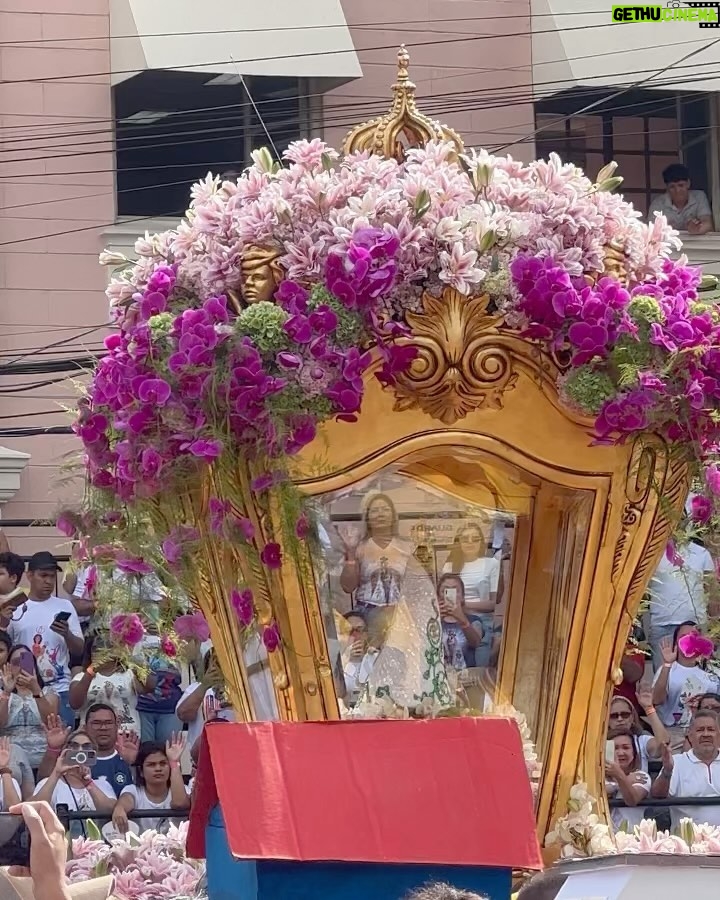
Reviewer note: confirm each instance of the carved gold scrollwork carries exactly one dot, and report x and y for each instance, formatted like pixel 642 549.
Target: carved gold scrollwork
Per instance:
pixel 644 460
pixel 460 365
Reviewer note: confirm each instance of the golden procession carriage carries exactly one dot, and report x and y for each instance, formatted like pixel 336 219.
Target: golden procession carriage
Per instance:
pixel 473 433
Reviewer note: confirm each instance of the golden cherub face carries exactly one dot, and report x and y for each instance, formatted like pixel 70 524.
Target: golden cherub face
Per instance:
pixel 261 274
pixel 615 264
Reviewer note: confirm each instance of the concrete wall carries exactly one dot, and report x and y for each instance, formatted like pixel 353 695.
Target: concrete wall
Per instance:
pixel 56 194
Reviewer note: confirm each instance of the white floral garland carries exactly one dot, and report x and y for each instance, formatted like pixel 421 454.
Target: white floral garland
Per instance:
pixel 581 833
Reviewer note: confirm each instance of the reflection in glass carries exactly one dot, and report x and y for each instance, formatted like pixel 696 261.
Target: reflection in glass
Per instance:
pixel 413 584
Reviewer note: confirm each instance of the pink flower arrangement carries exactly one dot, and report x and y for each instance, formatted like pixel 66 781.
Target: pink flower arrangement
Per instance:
pixel 149 866
pixel 127 629
pixel 194 385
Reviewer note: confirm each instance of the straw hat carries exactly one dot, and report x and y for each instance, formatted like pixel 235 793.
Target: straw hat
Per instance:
pixel 13 888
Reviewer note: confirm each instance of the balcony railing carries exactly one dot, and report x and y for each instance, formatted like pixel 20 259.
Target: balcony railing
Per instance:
pixel 703 250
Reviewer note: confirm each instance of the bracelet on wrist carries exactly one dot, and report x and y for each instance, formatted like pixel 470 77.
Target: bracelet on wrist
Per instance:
pixel 650 710
pixel 6 770
pixel 55 750
pixel 174 764
pixel 667 665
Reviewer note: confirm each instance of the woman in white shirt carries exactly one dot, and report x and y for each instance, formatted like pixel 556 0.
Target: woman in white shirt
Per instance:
pixel 375 565
pixel 110 682
pixel 481 577
pixel 677 683
pixel 624 717
pixel 626 781
pixel 72 784
pixel 204 700
pixel 25 704
pixel 160 786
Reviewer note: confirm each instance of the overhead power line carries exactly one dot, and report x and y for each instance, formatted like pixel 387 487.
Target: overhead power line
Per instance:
pixel 367 26
pixel 315 54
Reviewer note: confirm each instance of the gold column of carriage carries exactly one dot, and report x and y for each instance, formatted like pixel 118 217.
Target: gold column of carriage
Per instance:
pixel 477 421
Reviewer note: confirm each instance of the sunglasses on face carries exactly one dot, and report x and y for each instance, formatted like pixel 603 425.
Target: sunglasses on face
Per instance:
pixel 620 715
pixel 74 745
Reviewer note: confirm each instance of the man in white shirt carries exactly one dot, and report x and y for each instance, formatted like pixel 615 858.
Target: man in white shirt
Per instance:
pixel 695 773
pixel 684 209
pixel 49 626
pixel 677 594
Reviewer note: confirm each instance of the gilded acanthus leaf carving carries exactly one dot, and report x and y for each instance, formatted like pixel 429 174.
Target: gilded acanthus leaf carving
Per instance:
pixel 460 365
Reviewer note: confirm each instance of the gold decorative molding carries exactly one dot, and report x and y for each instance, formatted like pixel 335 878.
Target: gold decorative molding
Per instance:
pixel 459 366
pixel 403 127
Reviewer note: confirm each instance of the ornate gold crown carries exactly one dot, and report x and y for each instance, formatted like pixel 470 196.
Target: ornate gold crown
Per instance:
pixel 403 127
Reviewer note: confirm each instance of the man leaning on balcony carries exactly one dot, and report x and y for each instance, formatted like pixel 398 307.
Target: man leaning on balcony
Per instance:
pixel 685 210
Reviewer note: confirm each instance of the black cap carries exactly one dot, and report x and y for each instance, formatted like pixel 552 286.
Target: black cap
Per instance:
pixel 42 561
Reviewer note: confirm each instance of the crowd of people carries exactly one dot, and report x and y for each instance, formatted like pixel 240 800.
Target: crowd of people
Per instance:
pixel 663 726
pixel 83 727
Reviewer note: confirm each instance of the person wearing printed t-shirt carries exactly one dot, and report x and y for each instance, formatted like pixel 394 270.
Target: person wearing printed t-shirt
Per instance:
pixel 205 700
pixel 678 593
pixel 156 707
pixel 679 682
pixel 49 626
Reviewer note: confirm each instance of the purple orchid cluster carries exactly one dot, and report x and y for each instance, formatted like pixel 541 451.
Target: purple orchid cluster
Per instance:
pixel 654 350
pixel 186 384
pixel 567 312
pixel 181 383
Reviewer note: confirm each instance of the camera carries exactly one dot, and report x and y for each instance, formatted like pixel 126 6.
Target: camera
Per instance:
pixel 79 758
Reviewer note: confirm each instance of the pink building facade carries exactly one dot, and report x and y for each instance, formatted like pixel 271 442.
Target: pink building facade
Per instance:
pixel 109 109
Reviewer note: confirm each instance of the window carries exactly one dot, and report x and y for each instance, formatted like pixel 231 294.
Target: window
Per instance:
pixel 172 128
pixel 643 132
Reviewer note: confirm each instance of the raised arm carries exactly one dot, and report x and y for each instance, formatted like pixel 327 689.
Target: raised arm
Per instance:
pixel 669 655
pixel 179 798
pixel 660 732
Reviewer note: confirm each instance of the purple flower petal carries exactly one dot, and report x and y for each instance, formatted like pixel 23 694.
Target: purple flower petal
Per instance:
pixel 271 555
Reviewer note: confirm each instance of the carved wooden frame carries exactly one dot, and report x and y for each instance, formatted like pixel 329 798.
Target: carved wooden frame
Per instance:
pixel 527 427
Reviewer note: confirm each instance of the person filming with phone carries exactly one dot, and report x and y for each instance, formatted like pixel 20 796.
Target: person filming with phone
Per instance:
pixel 50 627
pixel 71 782
pixel 25 704
pixel 460 637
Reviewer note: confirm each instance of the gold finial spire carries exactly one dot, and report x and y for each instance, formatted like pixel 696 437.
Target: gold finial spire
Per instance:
pixel 404 126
